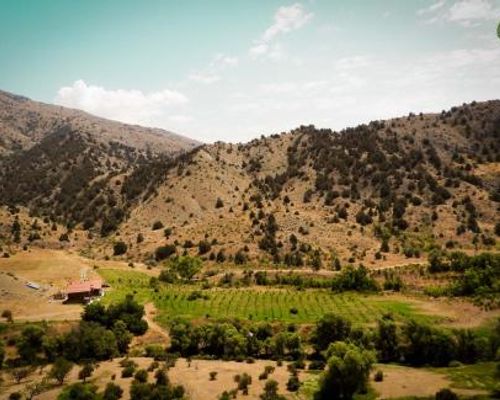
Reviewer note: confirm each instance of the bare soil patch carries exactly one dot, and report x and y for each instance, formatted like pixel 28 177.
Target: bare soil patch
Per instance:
pixel 405 381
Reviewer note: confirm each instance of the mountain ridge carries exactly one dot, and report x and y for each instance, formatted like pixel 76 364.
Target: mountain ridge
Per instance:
pixel 383 191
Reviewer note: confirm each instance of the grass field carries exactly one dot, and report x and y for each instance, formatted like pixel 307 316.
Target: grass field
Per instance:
pixel 256 303
pixel 480 376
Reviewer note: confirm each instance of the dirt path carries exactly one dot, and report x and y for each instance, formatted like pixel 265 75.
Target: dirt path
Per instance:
pixel 149 317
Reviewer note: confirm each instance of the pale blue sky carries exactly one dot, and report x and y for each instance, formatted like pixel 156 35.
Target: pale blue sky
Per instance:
pixel 233 70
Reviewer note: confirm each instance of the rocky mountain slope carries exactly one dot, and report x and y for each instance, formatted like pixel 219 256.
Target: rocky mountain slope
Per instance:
pixel 388 191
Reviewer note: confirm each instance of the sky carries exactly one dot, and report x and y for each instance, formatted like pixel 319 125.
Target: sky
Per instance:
pixel 234 70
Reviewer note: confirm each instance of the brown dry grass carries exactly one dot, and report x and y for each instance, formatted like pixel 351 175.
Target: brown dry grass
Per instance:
pixel 194 376
pixel 405 381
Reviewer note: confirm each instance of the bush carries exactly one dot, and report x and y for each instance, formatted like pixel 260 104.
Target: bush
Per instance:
pixel 446 394
pixel 164 252
pixel 316 365
pixel 213 375
pixel 141 376
pixel 119 248
pixel 128 371
pixel 112 392
pixel 379 376
pixel 157 225
pixel 293 384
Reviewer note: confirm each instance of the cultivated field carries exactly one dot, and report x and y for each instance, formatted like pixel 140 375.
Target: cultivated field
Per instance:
pixel 256 303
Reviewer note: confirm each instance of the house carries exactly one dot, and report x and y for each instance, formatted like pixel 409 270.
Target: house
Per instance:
pixel 82 292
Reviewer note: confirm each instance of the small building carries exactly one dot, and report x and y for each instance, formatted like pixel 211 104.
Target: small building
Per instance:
pixel 33 285
pixel 83 292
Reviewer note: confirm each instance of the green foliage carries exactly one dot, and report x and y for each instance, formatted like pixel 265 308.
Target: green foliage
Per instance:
pixel 141 376
pixel 119 248
pixel 30 344
pixel 128 310
pixel 446 394
pixel 348 371
pixel 427 345
pixel 328 329
pixel 157 225
pixel 185 266
pixel 112 392
pixel 164 252
pixel 79 391
pixel 86 371
pixel 60 369
pixel 351 278
pixel 271 391
pixel 387 340
pixel 479 275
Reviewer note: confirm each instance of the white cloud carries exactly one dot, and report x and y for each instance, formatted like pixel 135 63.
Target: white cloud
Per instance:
pixel 286 19
pixel 206 78
pixel 259 49
pixel 464 12
pixel 432 8
pixel 468 10
pixel 129 106
pixel 222 61
pixel 211 73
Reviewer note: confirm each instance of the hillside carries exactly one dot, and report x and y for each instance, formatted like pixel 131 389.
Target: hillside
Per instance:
pixel 385 192
pixel 64 165
pixel 25 123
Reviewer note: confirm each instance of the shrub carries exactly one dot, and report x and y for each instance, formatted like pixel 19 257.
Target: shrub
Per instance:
pixel 112 392
pixel 157 225
pixel 293 384
pixel 128 371
pixel 119 248
pixel 379 376
pixel 446 394
pixel 164 252
pixel 213 375
pixel 60 369
pixel 141 376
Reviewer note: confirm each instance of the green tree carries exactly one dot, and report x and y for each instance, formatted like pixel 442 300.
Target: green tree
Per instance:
pixel 86 371
pixel 387 343
pixel 141 376
pixel 112 392
pixel 123 336
pixel 186 266
pixel 79 391
pixel 329 328
pixel 271 391
pixel 60 369
pixel 347 374
pixel 30 343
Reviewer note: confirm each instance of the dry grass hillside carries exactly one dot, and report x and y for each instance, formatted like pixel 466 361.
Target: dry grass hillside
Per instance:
pixel 382 193
pixel 386 192
pixel 66 166
pixel 25 123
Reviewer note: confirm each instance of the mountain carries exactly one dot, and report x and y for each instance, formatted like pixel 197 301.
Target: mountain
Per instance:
pixel 25 123
pixel 65 164
pixel 383 192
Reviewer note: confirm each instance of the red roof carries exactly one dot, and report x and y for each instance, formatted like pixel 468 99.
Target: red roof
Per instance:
pixel 84 287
